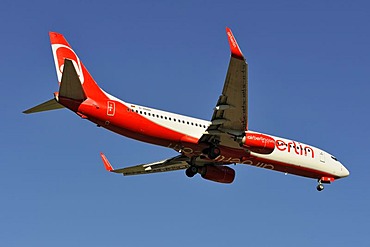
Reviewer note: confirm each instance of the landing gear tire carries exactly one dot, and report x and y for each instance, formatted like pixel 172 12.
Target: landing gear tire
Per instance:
pixel 191 171
pixel 320 187
pixel 213 152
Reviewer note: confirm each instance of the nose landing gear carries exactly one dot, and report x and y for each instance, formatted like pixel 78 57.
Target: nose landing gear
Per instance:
pixel 325 180
pixel 320 186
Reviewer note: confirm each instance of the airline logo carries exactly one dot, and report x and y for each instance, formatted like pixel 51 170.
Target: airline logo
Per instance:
pixel 111 108
pixel 61 52
pixel 297 148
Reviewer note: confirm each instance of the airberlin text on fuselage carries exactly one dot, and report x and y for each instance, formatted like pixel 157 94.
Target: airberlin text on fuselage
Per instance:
pixel 284 146
pixel 280 145
pixel 298 149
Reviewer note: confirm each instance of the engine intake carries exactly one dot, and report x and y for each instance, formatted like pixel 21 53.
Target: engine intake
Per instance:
pixel 258 143
pixel 220 174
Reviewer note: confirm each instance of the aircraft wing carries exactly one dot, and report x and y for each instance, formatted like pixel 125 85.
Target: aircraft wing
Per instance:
pixel 176 163
pixel 230 116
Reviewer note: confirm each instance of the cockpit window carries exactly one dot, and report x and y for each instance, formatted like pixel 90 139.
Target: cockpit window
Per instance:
pixel 334 158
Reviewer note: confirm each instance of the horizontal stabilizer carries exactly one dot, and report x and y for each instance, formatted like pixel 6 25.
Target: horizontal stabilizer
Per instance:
pixel 70 86
pixel 46 106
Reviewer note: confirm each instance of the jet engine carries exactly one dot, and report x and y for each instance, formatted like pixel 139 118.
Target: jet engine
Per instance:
pixel 258 143
pixel 220 174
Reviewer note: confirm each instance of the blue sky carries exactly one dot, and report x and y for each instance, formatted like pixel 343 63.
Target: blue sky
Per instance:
pixel 308 80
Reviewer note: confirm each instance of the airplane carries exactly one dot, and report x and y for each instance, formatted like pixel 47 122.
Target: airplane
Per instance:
pixel 204 147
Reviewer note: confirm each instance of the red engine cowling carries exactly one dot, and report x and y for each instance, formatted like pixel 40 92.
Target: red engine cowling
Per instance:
pixel 220 174
pixel 258 143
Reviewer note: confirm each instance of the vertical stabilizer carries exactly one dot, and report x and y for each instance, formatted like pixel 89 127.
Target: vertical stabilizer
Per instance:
pixel 62 52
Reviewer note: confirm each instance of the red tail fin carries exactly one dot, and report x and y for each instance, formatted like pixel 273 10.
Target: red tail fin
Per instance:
pixel 61 51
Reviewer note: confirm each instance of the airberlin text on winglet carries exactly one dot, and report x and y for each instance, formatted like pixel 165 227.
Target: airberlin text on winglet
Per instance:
pixel 234 47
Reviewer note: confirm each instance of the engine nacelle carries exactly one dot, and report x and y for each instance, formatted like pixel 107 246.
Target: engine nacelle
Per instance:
pixel 258 143
pixel 220 174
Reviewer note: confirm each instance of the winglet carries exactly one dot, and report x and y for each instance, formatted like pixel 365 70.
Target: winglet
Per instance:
pixel 234 47
pixel 107 165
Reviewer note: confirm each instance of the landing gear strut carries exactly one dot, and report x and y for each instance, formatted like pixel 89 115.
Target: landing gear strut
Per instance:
pixel 324 180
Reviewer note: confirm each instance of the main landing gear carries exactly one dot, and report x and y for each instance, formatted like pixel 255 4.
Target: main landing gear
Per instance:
pixel 191 171
pixel 212 152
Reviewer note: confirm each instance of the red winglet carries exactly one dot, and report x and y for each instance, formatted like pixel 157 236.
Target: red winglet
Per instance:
pixel 107 165
pixel 234 47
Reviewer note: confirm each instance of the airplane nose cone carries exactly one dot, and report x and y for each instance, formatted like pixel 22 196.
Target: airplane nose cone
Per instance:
pixel 345 172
